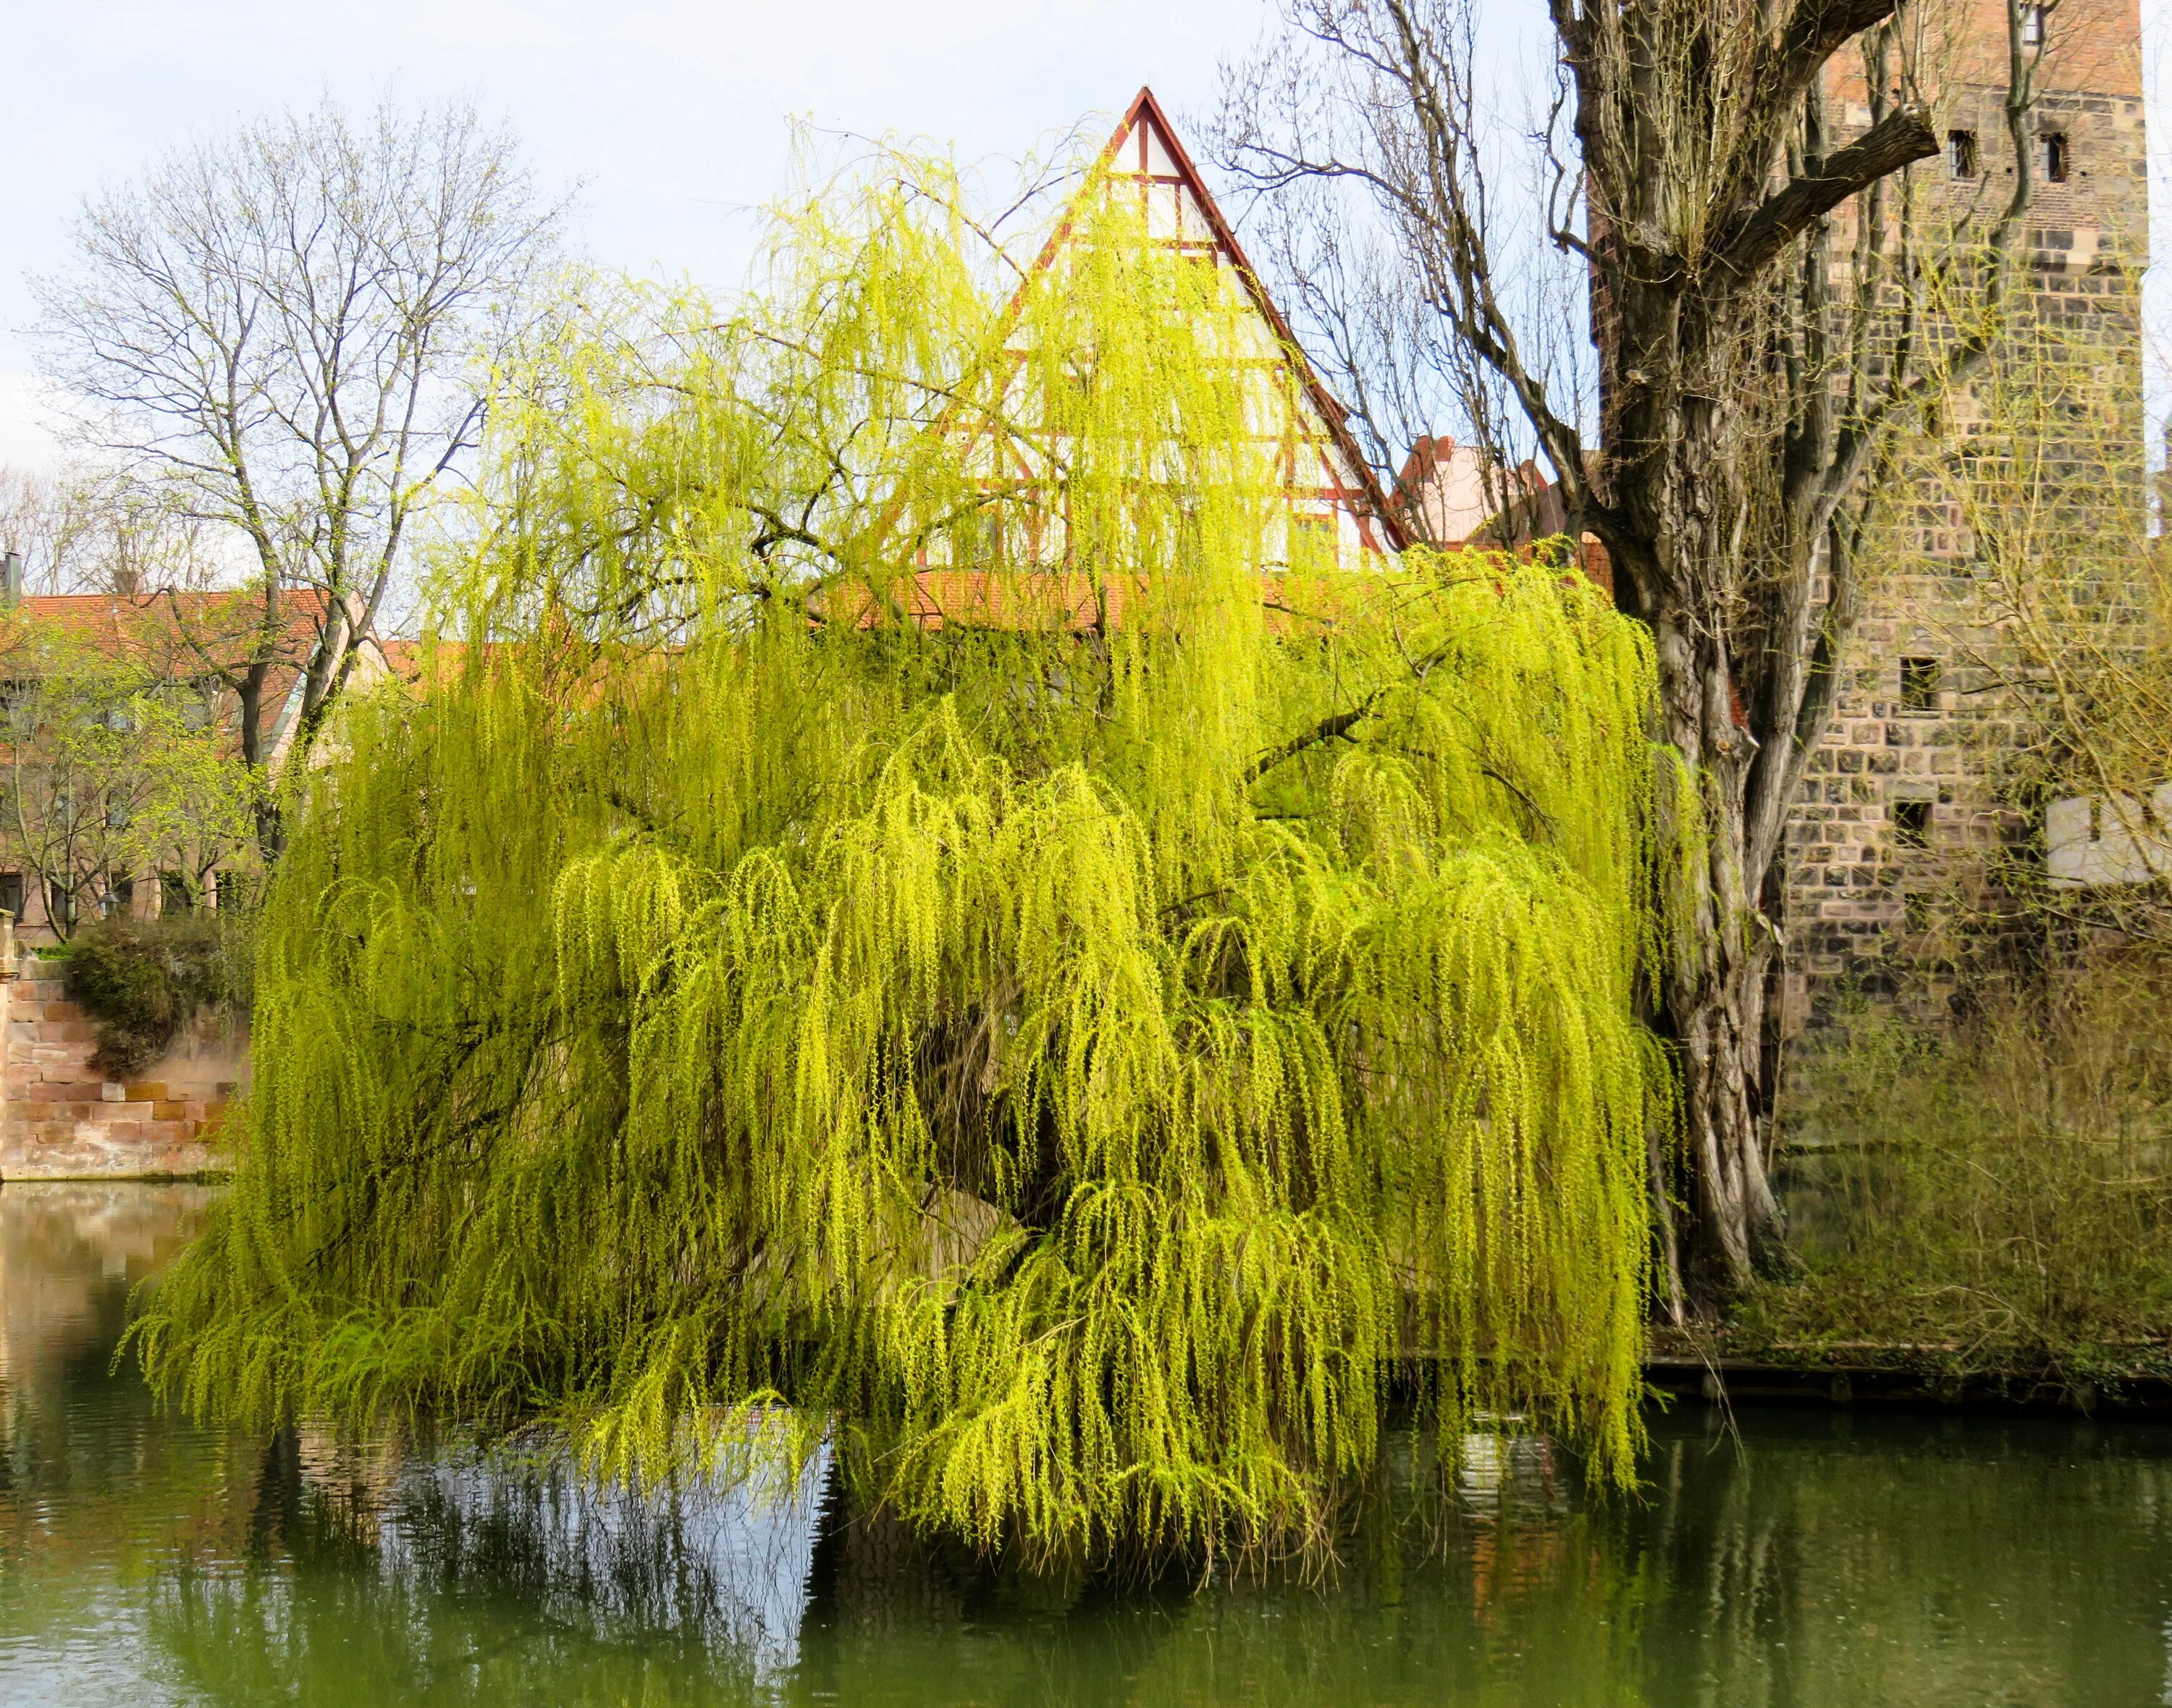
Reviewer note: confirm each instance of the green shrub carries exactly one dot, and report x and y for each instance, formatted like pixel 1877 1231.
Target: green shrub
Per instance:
pixel 143 980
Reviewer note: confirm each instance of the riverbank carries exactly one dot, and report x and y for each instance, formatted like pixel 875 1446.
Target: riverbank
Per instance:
pixel 1727 1365
pixel 61 1118
pixel 1735 1369
pixel 1978 1204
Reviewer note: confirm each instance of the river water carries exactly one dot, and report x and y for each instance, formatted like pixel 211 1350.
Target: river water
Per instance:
pixel 1815 1558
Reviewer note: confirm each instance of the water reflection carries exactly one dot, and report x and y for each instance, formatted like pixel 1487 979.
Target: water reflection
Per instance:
pixel 459 1578
pixel 725 1566
pixel 1826 1558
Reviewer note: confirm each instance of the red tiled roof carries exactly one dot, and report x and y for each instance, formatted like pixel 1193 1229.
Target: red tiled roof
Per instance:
pixel 185 633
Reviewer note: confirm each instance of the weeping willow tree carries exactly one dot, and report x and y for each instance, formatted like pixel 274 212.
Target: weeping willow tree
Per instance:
pixel 908 900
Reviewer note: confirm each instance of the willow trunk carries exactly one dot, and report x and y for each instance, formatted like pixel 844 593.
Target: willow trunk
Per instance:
pixel 1736 728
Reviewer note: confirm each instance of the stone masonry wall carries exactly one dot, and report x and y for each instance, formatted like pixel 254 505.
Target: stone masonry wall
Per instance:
pixel 61 1118
pixel 1907 777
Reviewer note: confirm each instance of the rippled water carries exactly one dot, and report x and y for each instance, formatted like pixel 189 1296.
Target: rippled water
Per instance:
pixel 1826 1558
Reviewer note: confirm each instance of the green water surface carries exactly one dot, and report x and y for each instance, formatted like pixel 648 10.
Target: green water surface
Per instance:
pixel 1818 1558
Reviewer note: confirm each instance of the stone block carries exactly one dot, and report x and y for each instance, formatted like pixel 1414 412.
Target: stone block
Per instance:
pixel 146 1091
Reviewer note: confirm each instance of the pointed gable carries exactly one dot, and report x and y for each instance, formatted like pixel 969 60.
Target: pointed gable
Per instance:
pixel 1327 480
pixel 1335 512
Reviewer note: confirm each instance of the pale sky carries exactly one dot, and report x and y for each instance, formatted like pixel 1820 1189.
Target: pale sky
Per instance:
pixel 674 114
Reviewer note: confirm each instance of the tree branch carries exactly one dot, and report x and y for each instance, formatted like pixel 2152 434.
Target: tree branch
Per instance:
pixel 1900 139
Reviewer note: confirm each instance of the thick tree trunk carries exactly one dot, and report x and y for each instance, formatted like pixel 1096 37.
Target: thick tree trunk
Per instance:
pixel 1744 405
pixel 1716 1011
pixel 270 826
pixel 1713 997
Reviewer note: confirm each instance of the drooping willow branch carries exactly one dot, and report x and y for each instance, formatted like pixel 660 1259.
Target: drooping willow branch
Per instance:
pixel 961 1036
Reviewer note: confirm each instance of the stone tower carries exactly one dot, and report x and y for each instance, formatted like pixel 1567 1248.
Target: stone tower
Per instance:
pixel 1926 724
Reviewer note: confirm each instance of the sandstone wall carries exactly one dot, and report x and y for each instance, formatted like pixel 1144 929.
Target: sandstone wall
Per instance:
pixel 62 1120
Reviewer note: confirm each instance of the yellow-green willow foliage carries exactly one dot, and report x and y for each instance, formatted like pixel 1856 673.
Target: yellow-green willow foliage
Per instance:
pixel 1083 1055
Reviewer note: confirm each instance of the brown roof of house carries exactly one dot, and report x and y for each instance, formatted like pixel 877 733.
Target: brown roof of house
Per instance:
pixel 201 637
pixel 190 633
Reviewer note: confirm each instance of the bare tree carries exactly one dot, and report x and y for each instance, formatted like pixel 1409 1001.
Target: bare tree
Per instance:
pixel 1769 311
pixel 286 332
pixel 44 521
pixel 84 530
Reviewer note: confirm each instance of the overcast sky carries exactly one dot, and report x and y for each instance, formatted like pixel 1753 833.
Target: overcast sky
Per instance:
pixel 674 113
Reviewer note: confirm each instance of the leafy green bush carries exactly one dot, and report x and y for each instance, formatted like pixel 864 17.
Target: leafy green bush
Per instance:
pixel 143 979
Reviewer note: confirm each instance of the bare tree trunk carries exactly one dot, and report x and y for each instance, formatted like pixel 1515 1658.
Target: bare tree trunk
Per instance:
pixel 1715 1007
pixel 1744 405
pixel 286 334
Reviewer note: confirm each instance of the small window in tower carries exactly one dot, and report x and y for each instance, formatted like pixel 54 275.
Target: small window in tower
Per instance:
pixel 1919 684
pixel 1961 154
pixel 2052 156
pixel 2032 25
pixel 1911 823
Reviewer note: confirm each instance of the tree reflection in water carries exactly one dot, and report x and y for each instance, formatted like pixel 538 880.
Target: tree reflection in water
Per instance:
pixel 1827 1558
pixel 449 1572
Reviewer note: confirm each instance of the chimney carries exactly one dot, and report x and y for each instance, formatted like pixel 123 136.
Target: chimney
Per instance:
pixel 11 579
